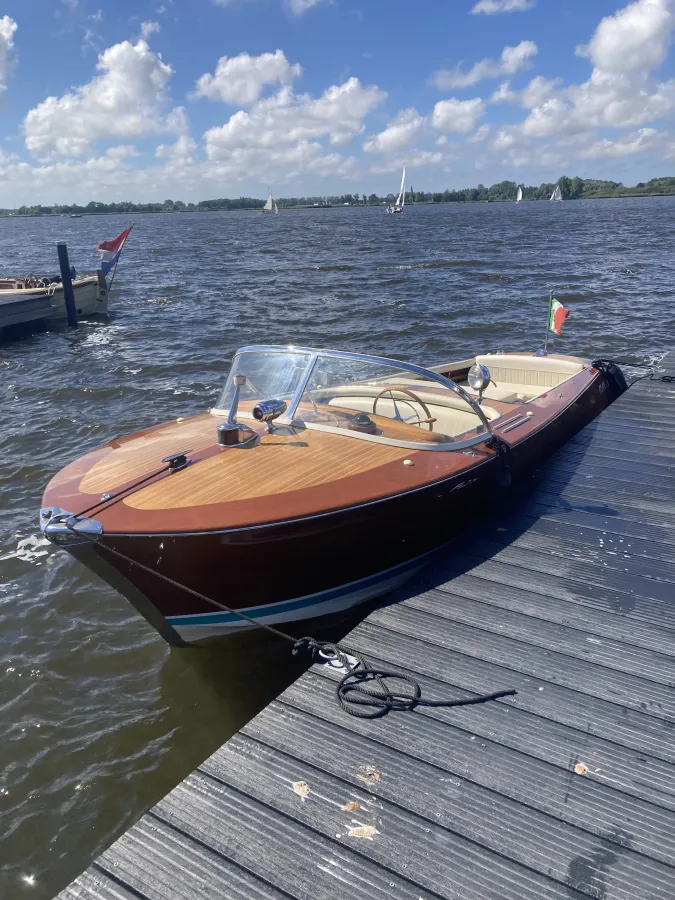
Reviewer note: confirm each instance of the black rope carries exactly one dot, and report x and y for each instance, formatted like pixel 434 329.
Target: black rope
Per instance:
pixel 354 691
pixel 604 364
pixel 357 696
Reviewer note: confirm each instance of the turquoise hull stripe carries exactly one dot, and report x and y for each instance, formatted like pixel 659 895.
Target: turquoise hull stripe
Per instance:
pixel 272 609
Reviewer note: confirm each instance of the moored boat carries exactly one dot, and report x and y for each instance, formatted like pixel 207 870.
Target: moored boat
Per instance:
pixel 90 292
pixel 319 480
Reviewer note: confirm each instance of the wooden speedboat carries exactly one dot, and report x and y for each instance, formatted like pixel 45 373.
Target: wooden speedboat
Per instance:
pixel 90 291
pixel 319 480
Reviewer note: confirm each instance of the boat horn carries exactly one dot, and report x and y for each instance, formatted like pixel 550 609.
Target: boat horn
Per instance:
pixel 268 410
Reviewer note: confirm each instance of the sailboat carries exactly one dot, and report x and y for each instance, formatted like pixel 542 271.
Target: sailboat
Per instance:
pixel 556 196
pixel 519 195
pixel 400 200
pixel 271 205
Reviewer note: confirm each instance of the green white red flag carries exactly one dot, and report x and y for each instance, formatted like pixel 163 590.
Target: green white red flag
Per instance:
pixel 556 317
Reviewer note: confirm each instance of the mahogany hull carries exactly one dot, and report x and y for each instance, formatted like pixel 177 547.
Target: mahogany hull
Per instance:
pixel 309 566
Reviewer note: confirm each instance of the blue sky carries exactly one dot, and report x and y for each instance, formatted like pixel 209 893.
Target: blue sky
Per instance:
pixel 151 100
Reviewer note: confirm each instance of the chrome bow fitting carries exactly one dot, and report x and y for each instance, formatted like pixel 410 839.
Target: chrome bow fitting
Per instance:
pixel 65 528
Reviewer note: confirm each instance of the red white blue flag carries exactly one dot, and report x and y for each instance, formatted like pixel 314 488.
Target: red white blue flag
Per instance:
pixel 110 250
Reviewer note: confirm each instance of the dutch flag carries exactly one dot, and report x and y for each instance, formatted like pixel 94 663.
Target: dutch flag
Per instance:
pixel 110 251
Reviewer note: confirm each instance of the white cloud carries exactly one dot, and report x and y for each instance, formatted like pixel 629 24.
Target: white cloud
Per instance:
pixel 148 28
pixel 241 79
pixel 480 134
pixel 626 145
pixel 619 93
pixel 418 159
pixel 125 101
pixel 399 133
pixel 634 38
pixel 512 60
pixel 294 7
pixel 300 7
pixel 535 93
pixel 612 113
pixel 180 151
pixel 7 31
pixel 280 138
pixel 460 116
pixel 286 119
pixel 491 7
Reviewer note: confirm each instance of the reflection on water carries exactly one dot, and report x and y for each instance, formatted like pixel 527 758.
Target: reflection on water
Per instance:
pixel 99 717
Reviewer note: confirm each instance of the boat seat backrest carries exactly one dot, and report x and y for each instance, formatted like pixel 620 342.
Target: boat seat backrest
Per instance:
pixel 528 373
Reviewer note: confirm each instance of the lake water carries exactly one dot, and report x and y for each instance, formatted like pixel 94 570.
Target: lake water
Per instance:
pixel 99 718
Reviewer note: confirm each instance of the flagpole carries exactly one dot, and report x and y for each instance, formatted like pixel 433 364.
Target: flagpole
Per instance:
pixel 548 320
pixel 117 261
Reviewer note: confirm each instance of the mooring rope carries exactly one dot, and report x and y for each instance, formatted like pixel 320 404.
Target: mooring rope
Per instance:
pixel 354 692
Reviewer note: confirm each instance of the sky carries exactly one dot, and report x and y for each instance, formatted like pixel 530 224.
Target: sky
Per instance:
pixel 196 99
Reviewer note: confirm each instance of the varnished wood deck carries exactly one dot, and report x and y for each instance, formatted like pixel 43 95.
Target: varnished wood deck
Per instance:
pixel 563 791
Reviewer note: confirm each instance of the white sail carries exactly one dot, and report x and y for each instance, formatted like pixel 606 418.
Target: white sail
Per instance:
pixel 519 195
pixel 400 200
pixel 269 206
pixel 557 194
pixel 276 208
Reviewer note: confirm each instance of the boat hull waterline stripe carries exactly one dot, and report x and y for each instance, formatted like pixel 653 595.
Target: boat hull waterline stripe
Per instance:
pixel 268 610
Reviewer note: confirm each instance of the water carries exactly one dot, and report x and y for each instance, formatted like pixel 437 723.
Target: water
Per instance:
pixel 98 717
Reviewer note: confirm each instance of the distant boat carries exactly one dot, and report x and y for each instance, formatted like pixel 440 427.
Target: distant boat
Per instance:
pixel 519 195
pixel 556 196
pixel 400 200
pixel 271 205
pixel 76 215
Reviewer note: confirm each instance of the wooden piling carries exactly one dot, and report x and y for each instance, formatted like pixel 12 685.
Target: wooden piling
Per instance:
pixel 68 294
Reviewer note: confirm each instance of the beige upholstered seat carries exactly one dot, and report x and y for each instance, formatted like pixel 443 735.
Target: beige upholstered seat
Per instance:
pixel 526 376
pixel 505 394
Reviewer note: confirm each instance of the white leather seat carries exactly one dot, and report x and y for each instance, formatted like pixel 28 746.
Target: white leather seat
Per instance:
pixel 506 395
pixel 526 376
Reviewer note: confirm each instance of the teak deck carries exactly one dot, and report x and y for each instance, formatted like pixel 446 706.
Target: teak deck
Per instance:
pixel 564 791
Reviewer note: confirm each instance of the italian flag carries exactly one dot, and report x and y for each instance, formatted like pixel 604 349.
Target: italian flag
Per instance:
pixel 556 317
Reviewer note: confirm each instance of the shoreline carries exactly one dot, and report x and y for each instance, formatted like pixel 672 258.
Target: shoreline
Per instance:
pixel 154 212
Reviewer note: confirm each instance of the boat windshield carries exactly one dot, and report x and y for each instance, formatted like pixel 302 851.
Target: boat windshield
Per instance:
pixel 269 374
pixel 360 394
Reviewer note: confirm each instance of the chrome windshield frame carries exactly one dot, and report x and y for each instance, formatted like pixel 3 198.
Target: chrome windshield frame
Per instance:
pixel 315 354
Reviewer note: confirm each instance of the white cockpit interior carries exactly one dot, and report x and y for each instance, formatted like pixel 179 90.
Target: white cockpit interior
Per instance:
pixel 519 377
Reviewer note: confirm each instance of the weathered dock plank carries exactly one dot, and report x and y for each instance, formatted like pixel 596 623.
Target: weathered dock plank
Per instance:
pixel 563 790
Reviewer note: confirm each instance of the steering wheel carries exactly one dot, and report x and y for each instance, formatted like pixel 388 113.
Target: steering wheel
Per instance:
pixel 402 390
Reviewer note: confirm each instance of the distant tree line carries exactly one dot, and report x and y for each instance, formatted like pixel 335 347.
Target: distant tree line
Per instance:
pixel 572 189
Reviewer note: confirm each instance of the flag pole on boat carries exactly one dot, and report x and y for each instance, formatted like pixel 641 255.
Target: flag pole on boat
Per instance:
pixel 548 320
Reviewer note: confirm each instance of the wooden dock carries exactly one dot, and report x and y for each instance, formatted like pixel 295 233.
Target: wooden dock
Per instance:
pixel 565 790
